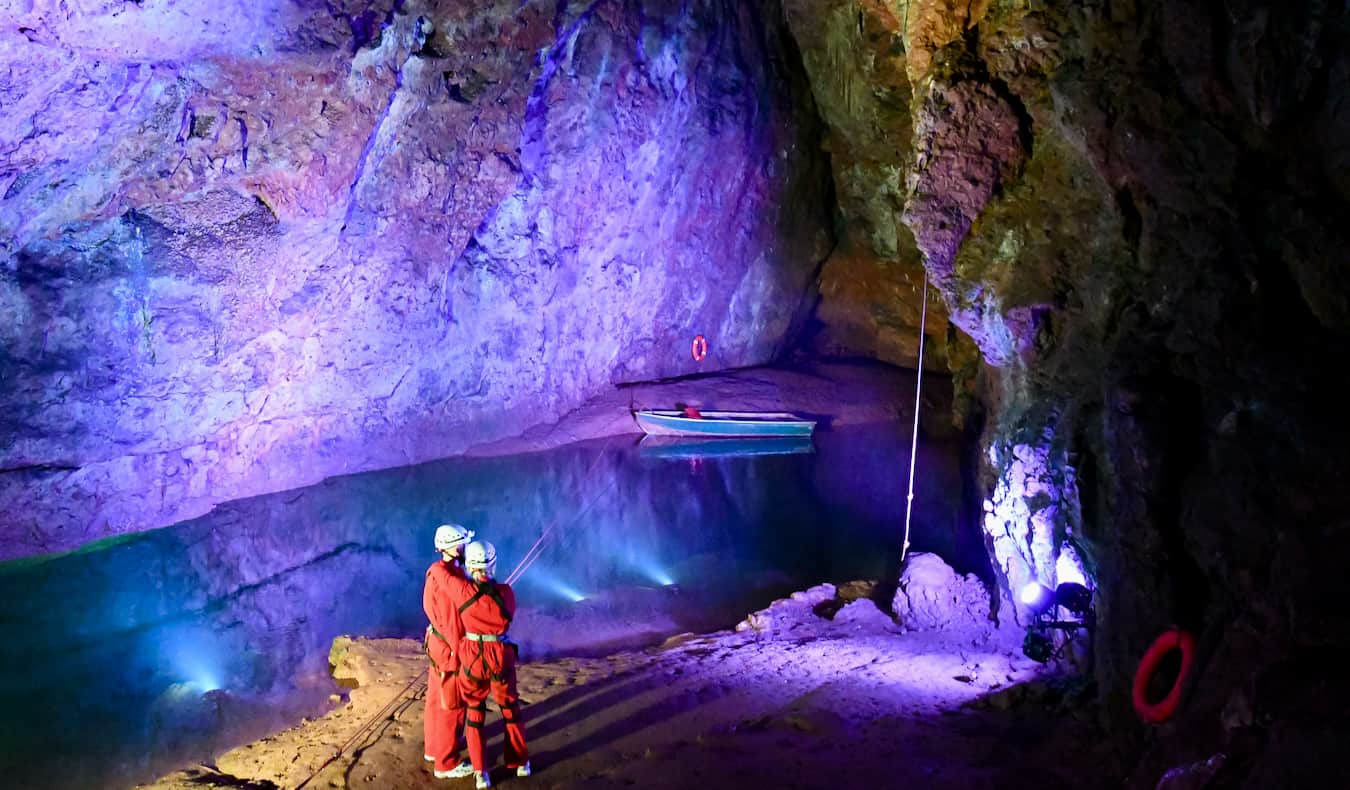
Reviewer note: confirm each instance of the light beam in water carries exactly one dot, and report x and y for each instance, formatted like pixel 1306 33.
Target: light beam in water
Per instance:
pixel 658 575
pixel 193 660
pixel 648 567
pixel 544 579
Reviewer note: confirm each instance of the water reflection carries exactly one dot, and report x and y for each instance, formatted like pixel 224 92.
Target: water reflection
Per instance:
pixel 127 660
pixel 692 448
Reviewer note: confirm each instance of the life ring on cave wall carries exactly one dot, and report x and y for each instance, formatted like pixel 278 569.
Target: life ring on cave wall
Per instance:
pixel 700 348
pixel 1167 642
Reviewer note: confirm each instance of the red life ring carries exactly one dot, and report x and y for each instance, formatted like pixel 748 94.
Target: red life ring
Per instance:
pixel 1162 710
pixel 700 349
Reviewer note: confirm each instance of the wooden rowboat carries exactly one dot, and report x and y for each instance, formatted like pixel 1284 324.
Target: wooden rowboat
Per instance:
pixel 692 422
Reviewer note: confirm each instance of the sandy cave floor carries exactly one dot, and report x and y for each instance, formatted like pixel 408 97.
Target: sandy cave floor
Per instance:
pixel 789 699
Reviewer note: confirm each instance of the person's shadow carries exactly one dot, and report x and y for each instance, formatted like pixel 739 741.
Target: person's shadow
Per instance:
pixel 574 706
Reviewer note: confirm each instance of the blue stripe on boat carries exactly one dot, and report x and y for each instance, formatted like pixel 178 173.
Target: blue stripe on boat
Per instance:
pixel 741 424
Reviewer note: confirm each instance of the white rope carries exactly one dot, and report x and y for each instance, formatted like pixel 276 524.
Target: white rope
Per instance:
pixel 914 441
pixel 538 547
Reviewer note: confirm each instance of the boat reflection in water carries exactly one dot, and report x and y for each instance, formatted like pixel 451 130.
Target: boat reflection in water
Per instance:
pixel 687 447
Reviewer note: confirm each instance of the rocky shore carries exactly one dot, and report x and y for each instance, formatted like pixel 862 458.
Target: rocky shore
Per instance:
pixel 821 689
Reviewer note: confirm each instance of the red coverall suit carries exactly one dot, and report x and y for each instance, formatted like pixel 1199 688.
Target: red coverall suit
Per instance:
pixel 488 664
pixel 443 720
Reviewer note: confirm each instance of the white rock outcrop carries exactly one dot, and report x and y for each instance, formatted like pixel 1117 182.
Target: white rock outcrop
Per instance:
pixel 931 595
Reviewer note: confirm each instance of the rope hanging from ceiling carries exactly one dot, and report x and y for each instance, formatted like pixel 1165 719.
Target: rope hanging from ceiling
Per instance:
pixel 914 437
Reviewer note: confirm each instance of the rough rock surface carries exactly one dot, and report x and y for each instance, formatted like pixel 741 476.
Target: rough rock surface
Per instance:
pixel 814 703
pixel 247 250
pixel 1136 211
pixel 784 615
pixel 932 595
pixel 870 288
pixel 1030 517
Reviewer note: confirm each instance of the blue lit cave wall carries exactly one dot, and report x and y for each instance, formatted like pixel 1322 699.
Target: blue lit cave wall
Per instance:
pixel 245 251
pixel 249 246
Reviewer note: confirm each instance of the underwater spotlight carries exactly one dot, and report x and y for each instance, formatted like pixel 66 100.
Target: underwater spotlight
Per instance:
pixel 1036 597
pixel 548 581
pixel 1039 645
pixel 649 568
pixel 660 577
pixel 206 683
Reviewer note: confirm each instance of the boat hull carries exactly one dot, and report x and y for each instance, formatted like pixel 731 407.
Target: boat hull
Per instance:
pixel 723 424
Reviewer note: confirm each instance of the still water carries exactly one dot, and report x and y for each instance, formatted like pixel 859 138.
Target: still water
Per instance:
pixel 124 661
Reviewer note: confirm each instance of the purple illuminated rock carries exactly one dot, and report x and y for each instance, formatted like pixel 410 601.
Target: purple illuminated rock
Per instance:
pixel 246 251
pixel 931 595
pixel 1031 512
pixel 787 615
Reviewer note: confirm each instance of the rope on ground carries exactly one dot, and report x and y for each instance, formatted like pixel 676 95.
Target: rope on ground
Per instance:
pixel 918 388
pixel 377 734
pixel 368 726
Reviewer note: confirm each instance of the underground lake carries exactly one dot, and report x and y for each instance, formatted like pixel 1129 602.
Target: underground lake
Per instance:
pixel 164 648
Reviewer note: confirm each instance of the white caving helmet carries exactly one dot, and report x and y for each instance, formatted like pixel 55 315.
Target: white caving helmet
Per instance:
pixel 480 556
pixel 452 536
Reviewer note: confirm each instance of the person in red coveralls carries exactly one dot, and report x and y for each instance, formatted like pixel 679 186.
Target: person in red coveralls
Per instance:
pixel 487 659
pixel 443 720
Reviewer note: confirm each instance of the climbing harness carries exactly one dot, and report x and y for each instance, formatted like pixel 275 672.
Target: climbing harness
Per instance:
pixel 481 710
pixel 513 708
pixel 1169 641
pixel 489 589
pixel 426 646
pixel 481 657
pixel 918 388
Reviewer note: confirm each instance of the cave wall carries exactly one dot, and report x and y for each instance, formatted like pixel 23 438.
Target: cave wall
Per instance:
pixel 249 246
pixel 1136 211
pixel 870 300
